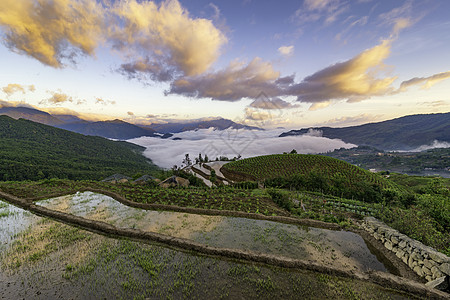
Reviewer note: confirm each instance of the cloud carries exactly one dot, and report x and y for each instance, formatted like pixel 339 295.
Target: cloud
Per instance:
pixel 257 115
pixel 52 31
pixel 353 120
pixel 104 102
pixel 327 11
pixel 359 78
pixel 314 132
pixel 166 38
pixel 344 34
pixel 158 41
pixel 146 70
pixel 59 98
pixel 354 79
pixel 215 8
pixel 426 82
pixel 434 145
pixel 130 113
pixel 237 81
pixel 274 103
pixel 230 143
pixel 286 50
pixel 399 17
pixel 13 88
pixel 319 105
pixel 436 103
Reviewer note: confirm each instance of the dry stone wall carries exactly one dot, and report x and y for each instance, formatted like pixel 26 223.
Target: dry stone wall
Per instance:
pixel 425 261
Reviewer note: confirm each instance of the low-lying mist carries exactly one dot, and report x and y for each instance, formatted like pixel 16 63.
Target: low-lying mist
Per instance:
pixel 434 145
pixel 231 143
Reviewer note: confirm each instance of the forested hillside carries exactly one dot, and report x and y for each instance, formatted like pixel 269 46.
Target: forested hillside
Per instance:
pixel 33 151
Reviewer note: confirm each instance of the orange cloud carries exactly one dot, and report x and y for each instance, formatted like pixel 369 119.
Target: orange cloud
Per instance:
pixel 15 87
pixel 426 82
pixel 51 31
pixel 59 98
pixel 354 79
pixel 165 37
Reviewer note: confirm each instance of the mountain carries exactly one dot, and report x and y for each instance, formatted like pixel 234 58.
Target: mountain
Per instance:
pixel 32 151
pixel 405 133
pixel 69 118
pixel 115 129
pixel 220 124
pixel 30 114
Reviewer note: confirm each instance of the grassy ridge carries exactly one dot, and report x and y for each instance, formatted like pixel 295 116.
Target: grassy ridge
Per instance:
pixel 261 168
pixel 315 173
pixel 33 151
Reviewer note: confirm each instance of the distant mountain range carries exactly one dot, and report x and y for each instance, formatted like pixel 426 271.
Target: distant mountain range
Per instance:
pixel 405 133
pixel 116 129
pixel 219 124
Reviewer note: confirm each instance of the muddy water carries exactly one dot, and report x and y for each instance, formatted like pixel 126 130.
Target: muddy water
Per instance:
pixel 342 249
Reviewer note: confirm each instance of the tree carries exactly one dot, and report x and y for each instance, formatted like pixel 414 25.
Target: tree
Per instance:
pixel 187 160
pixel 213 176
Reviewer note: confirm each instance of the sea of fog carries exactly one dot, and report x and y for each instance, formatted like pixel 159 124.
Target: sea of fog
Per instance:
pixel 230 143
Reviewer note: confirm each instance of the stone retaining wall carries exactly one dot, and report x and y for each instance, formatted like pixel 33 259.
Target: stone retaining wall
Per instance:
pixel 425 261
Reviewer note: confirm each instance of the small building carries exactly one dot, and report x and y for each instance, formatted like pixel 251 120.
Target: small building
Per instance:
pixel 174 181
pixel 117 178
pixel 146 178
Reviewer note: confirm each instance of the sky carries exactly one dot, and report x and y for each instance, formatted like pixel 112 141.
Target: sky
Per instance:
pixel 265 63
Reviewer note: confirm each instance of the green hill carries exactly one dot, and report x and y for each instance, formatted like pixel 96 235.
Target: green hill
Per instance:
pixel 32 151
pixel 311 172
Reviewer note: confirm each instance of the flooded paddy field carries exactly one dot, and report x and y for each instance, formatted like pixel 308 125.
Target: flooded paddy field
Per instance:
pixel 44 259
pixel 342 249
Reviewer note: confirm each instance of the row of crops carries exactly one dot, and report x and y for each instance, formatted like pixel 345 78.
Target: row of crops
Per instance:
pixel 344 205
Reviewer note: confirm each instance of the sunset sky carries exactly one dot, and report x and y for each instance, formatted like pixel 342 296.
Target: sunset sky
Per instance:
pixel 266 63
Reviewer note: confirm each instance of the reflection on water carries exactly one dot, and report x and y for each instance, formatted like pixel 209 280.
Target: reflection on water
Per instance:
pixel 13 220
pixel 341 249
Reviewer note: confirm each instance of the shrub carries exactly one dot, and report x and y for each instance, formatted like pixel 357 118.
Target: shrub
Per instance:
pixel 281 198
